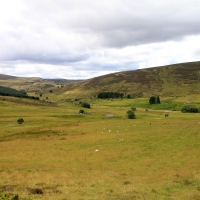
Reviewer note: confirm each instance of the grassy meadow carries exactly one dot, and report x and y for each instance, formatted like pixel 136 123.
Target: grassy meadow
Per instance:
pixel 59 154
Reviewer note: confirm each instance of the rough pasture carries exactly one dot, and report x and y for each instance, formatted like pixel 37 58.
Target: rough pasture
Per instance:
pixel 55 154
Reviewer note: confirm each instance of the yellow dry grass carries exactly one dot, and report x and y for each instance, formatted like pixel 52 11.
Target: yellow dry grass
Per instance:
pixel 72 156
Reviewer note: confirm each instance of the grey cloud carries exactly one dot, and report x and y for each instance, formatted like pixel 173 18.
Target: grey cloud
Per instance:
pixel 50 59
pixel 150 24
pixel 109 23
pixel 72 33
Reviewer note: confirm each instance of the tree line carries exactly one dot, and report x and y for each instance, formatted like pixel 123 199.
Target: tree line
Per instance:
pixel 190 109
pixel 106 95
pixel 5 91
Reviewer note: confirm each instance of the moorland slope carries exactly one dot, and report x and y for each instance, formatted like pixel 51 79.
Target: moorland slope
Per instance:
pixel 33 86
pixel 172 80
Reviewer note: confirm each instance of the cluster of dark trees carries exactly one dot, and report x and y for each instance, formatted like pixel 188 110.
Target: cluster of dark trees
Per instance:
pixel 5 91
pixel 106 95
pixel 154 100
pixel 189 109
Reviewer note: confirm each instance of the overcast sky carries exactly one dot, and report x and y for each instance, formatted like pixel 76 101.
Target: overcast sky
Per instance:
pixel 80 39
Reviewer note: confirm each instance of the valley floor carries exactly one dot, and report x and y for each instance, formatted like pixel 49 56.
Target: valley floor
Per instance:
pixel 58 154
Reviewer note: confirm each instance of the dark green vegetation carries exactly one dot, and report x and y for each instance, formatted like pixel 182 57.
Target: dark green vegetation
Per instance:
pixel 131 114
pixel 5 91
pixel 20 120
pixel 154 100
pixel 81 111
pixel 190 109
pixel 85 105
pixel 108 95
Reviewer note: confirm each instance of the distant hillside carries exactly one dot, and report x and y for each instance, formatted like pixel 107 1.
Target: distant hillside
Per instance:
pixel 5 91
pixel 6 77
pixel 172 80
pixel 33 86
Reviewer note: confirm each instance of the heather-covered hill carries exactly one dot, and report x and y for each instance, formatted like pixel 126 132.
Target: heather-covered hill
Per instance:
pixel 172 80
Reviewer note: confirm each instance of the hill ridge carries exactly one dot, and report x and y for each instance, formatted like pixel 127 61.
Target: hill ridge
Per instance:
pixel 176 79
pixel 171 80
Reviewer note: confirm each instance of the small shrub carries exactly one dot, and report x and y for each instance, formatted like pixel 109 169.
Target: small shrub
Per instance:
pixel 20 120
pixel 133 109
pixel 36 191
pixel 127 182
pixel 85 105
pixel 81 111
pixel 131 114
pixel 128 96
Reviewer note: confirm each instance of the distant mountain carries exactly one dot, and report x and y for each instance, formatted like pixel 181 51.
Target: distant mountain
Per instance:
pixel 57 81
pixel 6 77
pixel 172 80
pixel 62 81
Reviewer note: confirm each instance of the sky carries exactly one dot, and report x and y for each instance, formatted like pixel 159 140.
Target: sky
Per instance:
pixel 82 39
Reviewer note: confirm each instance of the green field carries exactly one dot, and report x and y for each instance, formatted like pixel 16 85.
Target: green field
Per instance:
pixel 65 155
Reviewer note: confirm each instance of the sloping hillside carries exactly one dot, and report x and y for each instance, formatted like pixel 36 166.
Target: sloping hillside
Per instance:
pixel 173 80
pixel 6 77
pixel 33 86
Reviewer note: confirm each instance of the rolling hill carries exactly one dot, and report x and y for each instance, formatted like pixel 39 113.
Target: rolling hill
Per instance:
pixel 172 80
pixel 33 86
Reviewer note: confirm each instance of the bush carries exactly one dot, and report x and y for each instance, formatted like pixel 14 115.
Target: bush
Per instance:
pixel 85 105
pixel 189 109
pixel 154 100
pixel 20 121
pixel 133 109
pixel 128 96
pixel 81 111
pixel 131 114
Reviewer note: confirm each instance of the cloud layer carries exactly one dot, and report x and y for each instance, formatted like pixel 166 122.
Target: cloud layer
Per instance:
pixel 84 38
